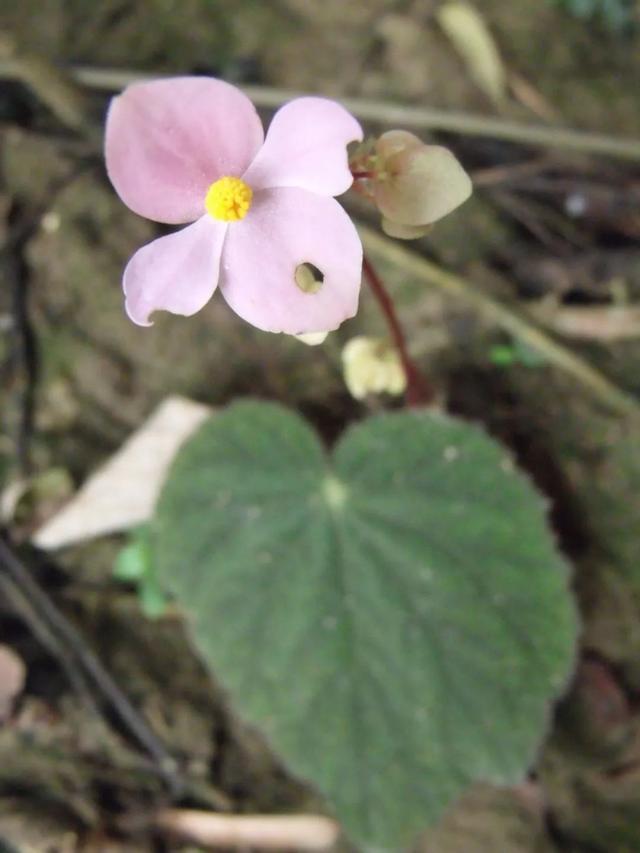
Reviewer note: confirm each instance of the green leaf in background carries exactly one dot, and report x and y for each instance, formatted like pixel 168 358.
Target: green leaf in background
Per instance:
pixel 397 620
pixel 507 355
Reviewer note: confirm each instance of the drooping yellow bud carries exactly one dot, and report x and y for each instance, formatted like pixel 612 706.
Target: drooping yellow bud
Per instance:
pixel 228 199
pixel 372 366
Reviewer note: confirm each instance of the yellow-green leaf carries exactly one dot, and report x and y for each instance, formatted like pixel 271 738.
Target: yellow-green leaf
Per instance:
pixel 467 30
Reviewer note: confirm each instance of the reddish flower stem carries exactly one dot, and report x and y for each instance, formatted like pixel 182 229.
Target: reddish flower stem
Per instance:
pixel 419 390
pixel 357 175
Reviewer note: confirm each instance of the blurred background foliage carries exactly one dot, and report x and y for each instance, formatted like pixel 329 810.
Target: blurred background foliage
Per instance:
pixel 616 14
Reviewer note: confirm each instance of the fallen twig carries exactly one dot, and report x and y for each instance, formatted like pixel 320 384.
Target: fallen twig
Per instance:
pixel 264 832
pixel 407 115
pixel 55 87
pixel 519 326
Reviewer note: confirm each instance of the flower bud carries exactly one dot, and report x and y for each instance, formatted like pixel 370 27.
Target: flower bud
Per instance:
pixel 412 184
pixel 371 366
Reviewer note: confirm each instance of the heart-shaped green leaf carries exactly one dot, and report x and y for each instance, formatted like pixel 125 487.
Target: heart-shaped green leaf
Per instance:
pixel 396 619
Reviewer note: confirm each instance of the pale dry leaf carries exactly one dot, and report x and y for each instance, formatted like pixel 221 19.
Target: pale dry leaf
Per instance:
pixel 123 492
pixel 467 30
pixel 264 832
pixel 12 678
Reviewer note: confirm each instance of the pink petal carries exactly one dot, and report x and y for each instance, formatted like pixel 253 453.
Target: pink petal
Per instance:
pixel 177 273
pixel 284 229
pixel 168 140
pixel 306 146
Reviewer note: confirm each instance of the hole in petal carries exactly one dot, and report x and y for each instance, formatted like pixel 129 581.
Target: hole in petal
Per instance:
pixel 309 278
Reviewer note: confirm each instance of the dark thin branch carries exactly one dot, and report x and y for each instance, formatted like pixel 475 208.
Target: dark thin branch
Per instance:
pixel 402 115
pixel 62 93
pixel 26 351
pixel 44 615
pixel 15 274
pixel 419 391
pixel 12 593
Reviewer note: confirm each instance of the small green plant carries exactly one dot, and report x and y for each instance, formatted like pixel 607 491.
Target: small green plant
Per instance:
pixel 515 353
pixel 135 565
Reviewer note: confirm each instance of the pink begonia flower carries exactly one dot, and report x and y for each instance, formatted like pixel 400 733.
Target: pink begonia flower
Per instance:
pixel 266 227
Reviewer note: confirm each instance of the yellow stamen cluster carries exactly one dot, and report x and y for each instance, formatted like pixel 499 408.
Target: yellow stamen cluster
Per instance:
pixel 228 199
